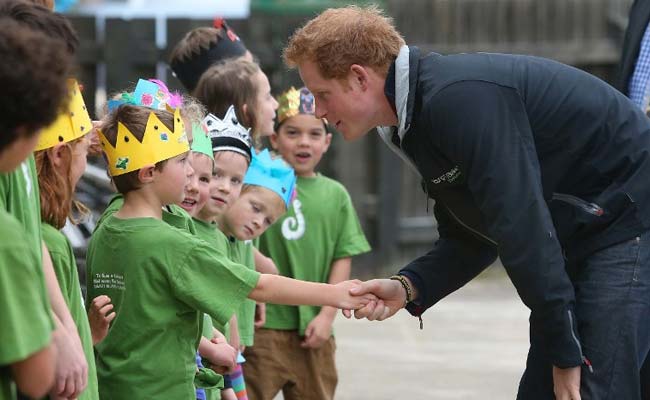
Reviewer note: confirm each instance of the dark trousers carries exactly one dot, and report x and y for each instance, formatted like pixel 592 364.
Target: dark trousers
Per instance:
pixel 613 312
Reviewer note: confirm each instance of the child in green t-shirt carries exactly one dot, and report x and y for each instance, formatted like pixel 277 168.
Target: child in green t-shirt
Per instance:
pixel 162 279
pixel 214 350
pixel 314 241
pixel 60 161
pixel 32 93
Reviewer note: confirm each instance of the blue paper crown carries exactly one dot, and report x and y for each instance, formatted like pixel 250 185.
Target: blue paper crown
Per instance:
pixel 273 174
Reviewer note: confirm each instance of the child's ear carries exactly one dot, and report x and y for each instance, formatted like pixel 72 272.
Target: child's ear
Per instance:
pixel 58 153
pixel 146 173
pixel 274 140
pixel 328 141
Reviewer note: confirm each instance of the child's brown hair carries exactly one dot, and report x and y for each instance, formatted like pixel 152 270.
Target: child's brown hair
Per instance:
pixel 231 83
pixel 33 75
pixel 340 37
pixel 135 119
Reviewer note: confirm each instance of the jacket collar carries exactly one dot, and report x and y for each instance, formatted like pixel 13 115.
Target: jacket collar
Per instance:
pixel 399 88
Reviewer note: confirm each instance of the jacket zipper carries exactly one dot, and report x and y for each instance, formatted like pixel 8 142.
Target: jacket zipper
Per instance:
pixel 591 208
pixel 470 229
pixel 584 359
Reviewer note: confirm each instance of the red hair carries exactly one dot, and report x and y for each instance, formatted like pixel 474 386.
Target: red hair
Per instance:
pixel 56 190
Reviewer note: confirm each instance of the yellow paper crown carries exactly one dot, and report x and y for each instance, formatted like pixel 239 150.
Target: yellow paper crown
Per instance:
pixel 158 144
pixel 72 123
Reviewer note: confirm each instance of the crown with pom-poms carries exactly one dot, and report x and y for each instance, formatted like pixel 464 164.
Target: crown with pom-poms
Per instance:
pixel 273 174
pixel 228 134
pixel 151 93
pixel 72 123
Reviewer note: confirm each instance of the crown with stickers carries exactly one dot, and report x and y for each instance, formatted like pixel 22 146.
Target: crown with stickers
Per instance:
pixel 273 174
pixel 228 134
pixel 71 124
pixel 158 144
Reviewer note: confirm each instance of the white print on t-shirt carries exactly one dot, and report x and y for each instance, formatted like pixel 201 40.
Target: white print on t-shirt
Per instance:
pixel 28 178
pixel 108 281
pixel 294 228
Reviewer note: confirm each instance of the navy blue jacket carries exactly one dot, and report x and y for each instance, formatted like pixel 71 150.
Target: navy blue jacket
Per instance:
pixel 528 159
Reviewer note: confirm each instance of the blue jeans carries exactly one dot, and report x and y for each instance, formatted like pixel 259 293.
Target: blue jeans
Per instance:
pixel 612 289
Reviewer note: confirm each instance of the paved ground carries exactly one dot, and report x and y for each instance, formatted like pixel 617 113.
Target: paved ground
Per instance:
pixel 473 346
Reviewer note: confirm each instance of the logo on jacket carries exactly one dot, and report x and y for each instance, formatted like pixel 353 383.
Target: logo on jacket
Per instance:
pixel 294 227
pixel 448 177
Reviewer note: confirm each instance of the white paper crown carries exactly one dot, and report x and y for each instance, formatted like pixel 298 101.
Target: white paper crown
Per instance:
pixel 228 133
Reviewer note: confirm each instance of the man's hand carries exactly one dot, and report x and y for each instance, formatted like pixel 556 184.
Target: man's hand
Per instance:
pixel 260 315
pixel 566 383
pixel 347 300
pixel 71 371
pixel 391 298
pixel 100 315
pixel 318 331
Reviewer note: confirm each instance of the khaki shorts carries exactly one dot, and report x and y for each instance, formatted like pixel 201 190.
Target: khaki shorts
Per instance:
pixel 277 363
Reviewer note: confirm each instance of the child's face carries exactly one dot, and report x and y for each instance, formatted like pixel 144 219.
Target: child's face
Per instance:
pixel 197 189
pixel 171 181
pixel 266 105
pixel 302 141
pixel 255 210
pixel 226 183
pixel 16 152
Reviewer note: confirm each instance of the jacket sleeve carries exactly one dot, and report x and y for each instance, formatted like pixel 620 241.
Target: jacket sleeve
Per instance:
pixel 456 259
pixel 484 128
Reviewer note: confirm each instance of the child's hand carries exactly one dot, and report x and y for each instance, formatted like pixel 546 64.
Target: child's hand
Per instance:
pixel 346 301
pixel 318 331
pixel 222 356
pixel 260 315
pixel 100 315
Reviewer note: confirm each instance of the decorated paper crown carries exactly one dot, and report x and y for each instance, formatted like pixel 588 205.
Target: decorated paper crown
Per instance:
pixel 228 45
pixel 273 174
pixel 72 123
pixel 201 142
pixel 158 144
pixel 228 134
pixel 150 93
pixel 294 102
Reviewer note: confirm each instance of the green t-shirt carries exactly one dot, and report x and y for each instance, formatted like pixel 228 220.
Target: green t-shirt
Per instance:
pixel 25 322
pixel 173 214
pixel 65 268
pixel 241 252
pixel 321 227
pixel 161 280
pixel 218 241
pixel 19 196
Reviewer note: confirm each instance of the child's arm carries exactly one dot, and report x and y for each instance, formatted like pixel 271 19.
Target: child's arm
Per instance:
pixel 34 375
pixel 71 365
pixel 319 329
pixel 282 290
pixel 264 264
pixel 234 332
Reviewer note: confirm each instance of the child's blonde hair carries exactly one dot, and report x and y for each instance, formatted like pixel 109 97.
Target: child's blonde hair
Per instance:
pixel 340 37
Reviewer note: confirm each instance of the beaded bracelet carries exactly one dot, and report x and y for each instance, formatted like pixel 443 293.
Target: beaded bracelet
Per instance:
pixel 406 286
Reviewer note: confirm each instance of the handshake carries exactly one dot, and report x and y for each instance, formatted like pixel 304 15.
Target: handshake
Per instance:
pixel 376 299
